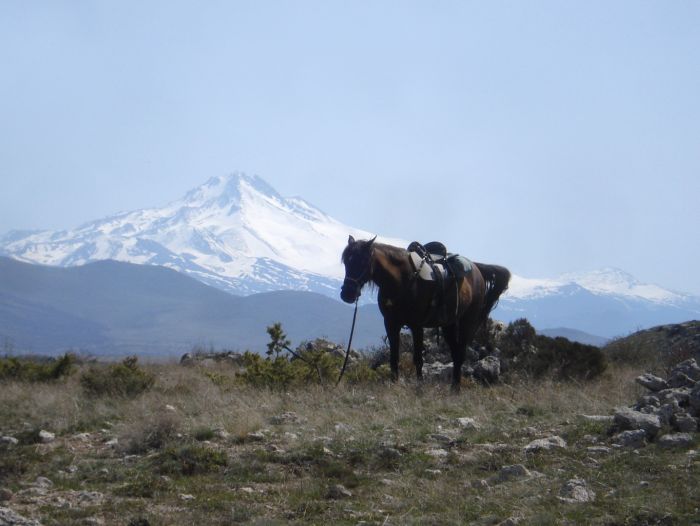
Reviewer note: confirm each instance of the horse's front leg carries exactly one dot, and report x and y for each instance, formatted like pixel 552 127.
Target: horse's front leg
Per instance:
pixel 417 333
pixel 393 333
pixel 458 354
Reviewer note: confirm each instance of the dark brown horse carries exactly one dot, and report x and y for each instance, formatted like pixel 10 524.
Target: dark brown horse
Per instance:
pixel 406 300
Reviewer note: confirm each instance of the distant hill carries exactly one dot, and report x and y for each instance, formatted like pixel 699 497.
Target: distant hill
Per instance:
pixel 575 336
pixel 238 234
pixel 115 308
pixel 665 344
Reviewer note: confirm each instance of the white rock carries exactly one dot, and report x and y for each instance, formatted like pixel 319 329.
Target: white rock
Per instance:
pixel 675 440
pixel 466 422
pixel 575 491
pixel 545 444
pixel 46 436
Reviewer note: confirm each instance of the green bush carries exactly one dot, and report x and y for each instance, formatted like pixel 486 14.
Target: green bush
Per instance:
pixel 190 460
pixel 122 379
pixel 536 355
pixel 32 369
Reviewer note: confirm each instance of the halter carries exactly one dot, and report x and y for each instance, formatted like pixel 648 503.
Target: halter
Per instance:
pixel 363 278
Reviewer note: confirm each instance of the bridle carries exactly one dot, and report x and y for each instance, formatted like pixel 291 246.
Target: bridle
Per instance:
pixel 364 276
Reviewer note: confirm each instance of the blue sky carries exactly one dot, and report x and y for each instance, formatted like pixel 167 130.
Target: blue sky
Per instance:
pixel 546 136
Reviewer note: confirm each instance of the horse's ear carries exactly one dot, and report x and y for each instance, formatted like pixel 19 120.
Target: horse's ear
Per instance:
pixel 351 240
pixel 369 243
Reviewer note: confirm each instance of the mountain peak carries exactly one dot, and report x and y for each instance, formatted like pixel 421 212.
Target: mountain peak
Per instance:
pixel 227 190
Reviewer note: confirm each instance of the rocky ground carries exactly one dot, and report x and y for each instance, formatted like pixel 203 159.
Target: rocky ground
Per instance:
pixel 200 448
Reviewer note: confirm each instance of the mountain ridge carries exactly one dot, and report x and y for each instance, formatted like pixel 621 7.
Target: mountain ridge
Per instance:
pixel 238 234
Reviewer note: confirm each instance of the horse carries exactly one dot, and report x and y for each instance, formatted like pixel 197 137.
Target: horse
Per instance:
pixel 407 301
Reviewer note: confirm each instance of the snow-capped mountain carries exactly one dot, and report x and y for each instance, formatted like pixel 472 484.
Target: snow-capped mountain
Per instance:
pixel 607 302
pixel 238 234
pixel 234 232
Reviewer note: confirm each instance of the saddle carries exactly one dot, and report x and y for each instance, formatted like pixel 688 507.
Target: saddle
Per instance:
pixel 432 262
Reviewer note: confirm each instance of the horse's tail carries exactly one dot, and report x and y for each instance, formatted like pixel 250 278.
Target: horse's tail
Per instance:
pixel 496 279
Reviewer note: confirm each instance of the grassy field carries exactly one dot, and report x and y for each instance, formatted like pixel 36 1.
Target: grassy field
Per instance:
pixel 200 447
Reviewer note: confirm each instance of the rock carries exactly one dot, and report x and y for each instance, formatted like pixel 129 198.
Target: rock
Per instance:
pixel 648 401
pixel 545 444
pixel 89 498
pixel 8 441
pixel 437 453
pixel 687 372
pixel 437 372
pixel 626 419
pixel 338 491
pixel 488 370
pixel 10 518
pixel 221 433
pixel 694 400
pixel 680 379
pixel 673 440
pixel 43 482
pixel 575 491
pixel 442 439
pixel 598 450
pixel 678 394
pixel 170 408
pixel 113 442
pixel 186 497
pixel 45 436
pixel 466 422
pixel 341 427
pixel 480 484
pixel 631 438
pixel 684 423
pixel 256 436
pixel 288 417
pixel 651 382
pixel 513 472
pixel 666 412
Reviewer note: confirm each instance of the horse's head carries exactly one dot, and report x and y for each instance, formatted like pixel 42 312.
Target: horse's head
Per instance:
pixel 357 258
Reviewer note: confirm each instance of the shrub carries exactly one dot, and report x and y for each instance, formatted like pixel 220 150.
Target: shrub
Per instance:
pixel 149 432
pixel 537 355
pixel 123 379
pixel 190 460
pixel 35 369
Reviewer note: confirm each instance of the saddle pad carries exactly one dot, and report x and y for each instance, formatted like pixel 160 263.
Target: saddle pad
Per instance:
pixel 425 270
pixel 460 265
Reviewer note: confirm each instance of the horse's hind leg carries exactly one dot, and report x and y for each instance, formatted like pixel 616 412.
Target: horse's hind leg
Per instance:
pixel 417 333
pixel 393 333
pixel 458 351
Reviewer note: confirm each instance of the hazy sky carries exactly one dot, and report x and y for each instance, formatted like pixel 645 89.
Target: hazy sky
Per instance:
pixel 546 136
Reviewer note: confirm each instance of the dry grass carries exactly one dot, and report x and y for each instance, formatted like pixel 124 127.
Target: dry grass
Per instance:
pixel 200 448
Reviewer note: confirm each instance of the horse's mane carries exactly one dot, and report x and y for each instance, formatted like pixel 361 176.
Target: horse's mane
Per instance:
pixel 395 254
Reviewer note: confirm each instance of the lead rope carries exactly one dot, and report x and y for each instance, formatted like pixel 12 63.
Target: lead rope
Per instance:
pixel 347 352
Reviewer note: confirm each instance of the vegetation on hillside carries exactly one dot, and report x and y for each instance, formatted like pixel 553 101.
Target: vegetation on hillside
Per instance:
pixel 227 442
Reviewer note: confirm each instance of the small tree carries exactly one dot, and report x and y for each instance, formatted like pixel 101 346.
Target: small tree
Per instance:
pixel 278 340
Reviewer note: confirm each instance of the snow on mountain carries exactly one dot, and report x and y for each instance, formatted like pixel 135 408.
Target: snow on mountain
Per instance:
pixel 238 234
pixel 606 281
pixel 234 232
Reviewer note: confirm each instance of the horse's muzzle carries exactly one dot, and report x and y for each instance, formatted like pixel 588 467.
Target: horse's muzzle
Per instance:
pixel 348 293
